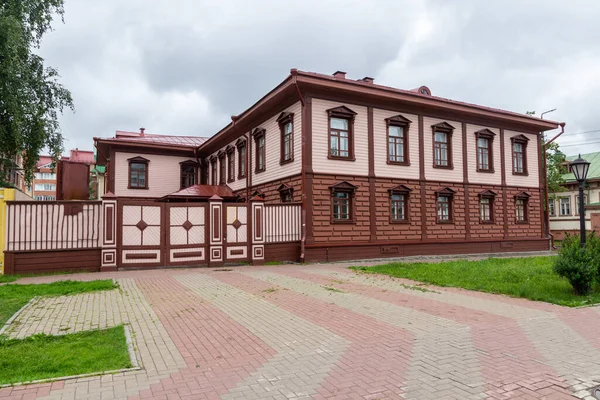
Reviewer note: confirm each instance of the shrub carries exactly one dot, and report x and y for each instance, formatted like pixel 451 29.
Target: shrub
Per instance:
pixel 576 264
pixel 592 247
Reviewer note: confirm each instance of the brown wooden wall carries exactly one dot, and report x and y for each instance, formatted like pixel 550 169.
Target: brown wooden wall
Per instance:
pixel 282 252
pixel 38 262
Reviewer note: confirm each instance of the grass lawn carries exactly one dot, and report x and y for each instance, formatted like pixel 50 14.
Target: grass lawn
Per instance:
pixel 44 356
pixel 13 297
pixel 530 278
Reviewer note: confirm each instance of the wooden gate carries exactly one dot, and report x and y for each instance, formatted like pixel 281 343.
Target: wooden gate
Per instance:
pixel 188 230
pixel 141 234
pixel 236 232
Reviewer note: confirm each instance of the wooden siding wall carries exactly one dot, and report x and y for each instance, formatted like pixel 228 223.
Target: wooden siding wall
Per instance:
pixel 46 225
pixel 38 262
pixel 533 175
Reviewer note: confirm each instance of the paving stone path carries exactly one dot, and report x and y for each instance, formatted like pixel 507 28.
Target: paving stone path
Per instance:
pixel 318 331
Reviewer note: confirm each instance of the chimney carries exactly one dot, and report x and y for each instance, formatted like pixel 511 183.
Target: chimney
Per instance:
pixel 142 131
pixel 339 75
pixel 367 79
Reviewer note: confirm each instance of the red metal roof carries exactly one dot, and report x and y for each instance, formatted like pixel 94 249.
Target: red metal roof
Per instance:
pixel 202 192
pixel 43 161
pixel 136 137
pixel 81 156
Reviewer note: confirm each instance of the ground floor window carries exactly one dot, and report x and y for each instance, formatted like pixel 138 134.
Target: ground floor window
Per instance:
pixel 398 207
pixel 485 209
pixel 443 208
pixel 342 210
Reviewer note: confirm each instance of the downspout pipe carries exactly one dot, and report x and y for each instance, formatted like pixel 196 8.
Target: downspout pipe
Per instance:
pixel 547 196
pixel 294 73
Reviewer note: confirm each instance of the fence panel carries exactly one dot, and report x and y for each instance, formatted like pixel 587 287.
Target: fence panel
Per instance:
pixel 283 223
pixel 43 225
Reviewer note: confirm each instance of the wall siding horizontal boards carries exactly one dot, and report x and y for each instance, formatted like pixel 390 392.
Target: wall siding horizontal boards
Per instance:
pixel 532 160
pixel 382 168
pixel 164 175
pixel 488 178
pixel 282 252
pixel 320 140
pixel 273 169
pixel 442 174
pixel 270 192
pixel 54 261
pixel 572 224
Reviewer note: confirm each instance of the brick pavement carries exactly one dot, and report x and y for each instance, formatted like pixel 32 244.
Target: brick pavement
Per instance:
pixel 319 331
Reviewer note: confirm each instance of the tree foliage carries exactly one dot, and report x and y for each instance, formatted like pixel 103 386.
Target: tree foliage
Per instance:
pixel 31 97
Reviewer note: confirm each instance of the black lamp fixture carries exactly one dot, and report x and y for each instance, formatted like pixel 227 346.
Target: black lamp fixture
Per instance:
pixel 580 168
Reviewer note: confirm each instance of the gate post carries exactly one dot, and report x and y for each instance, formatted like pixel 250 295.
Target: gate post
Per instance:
pixel 215 248
pixel 258 230
pixel 108 241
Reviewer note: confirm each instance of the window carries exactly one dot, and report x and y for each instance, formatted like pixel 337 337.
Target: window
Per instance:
pixel 45 198
pixel 138 173
pixel 486 207
pixel 565 206
pixel 222 167
pixel 399 197
pixel 188 173
pixel 45 175
pixel 519 154
pixel 230 163
pixel 342 202
pixel 286 126
pixel 286 193
pixel 45 186
pixel 551 209
pixel 397 131
pixel 259 139
pixel 442 145
pixel 341 133
pixel 521 208
pixel 444 205
pixel 485 160
pixel 241 146
pixel 213 171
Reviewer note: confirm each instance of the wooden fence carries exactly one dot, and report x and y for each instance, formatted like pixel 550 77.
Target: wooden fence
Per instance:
pixel 58 225
pixel 283 223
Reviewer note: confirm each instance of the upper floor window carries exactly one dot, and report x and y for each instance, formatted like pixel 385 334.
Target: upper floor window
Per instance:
pixel 399 203
pixel 230 163
pixel 342 199
pixel 522 208
pixel 485 156
pixel 213 171
pixel 551 209
pixel 138 173
pixel 341 133
pixel 286 126
pixel 397 132
pixel 222 167
pixel 445 198
pixel 442 145
pixel 189 170
pixel 45 186
pixel 565 206
pixel 45 175
pixel 286 193
pixel 519 154
pixel 260 157
pixel 486 206
pixel 241 146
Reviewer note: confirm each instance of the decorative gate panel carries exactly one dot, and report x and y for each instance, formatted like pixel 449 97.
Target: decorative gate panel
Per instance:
pixel 187 235
pixel 236 232
pixel 141 239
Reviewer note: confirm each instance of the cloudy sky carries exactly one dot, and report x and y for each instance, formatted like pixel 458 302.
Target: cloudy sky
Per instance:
pixel 185 66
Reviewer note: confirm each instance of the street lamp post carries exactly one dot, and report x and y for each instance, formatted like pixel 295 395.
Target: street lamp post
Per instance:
pixel 580 169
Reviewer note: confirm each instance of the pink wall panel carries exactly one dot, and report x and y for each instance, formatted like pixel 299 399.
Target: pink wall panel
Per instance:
pixel 532 180
pixel 382 168
pixel 483 177
pixel 441 174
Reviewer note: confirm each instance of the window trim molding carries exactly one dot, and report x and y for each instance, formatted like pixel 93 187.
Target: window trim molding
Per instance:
pixel 525 197
pixel 283 188
pixel 489 135
pixel 138 160
pixel 445 192
pixel 282 120
pixel 257 134
pixel 448 130
pixel 214 170
pixel 341 112
pixel 239 144
pixel 560 214
pixel 403 122
pixel 230 155
pixel 188 163
pixel 222 156
pixel 523 140
pixel 404 191
pixel 491 195
pixel 343 187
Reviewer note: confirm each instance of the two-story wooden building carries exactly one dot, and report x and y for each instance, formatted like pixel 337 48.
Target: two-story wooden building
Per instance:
pixel 379 171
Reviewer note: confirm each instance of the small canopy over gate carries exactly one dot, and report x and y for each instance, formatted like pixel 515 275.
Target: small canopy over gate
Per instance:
pixel 201 193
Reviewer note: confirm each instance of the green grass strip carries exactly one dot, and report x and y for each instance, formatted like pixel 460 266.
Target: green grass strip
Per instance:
pixel 44 356
pixel 13 297
pixel 531 278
